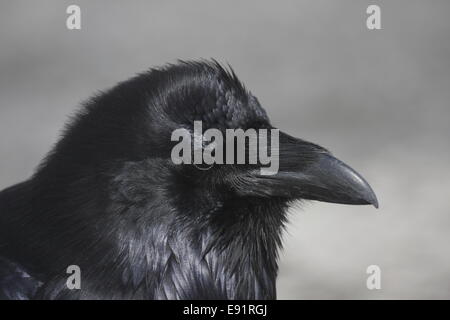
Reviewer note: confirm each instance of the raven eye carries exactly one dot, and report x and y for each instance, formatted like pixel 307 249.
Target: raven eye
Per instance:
pixel 201 142
pixel 203 166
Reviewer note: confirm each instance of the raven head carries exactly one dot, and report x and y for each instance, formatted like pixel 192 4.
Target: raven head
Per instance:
pixel 211 96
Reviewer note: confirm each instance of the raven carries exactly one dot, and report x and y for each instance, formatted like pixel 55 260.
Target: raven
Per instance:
pixel 109 199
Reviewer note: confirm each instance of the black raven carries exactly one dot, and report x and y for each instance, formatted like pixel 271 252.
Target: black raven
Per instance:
pixel 110 199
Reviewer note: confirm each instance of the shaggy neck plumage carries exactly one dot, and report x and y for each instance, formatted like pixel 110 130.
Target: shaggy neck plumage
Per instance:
pixel 205 248
pixel 132 240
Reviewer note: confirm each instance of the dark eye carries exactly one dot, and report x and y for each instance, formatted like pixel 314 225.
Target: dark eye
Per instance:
pixel 204 143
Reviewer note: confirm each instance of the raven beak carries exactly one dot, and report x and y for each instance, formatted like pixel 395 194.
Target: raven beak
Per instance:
pixel 330 180
pixel 308 171
pixel 321 178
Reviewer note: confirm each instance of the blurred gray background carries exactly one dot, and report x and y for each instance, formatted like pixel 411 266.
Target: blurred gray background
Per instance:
pixel 378 99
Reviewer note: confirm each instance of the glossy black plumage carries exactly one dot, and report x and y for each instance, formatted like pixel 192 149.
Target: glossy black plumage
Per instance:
pixel 109 199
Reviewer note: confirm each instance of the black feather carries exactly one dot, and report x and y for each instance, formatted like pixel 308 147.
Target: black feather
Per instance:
pixel 108 199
